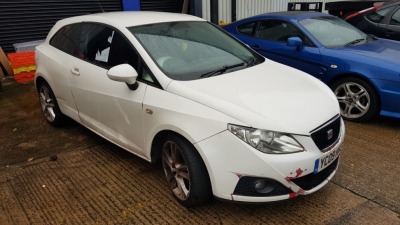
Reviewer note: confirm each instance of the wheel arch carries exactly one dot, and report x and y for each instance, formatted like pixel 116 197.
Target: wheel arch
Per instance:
pixel 354 75
pixel 156 144
pixel 39 80
pixel 59 118
pixel 199 187
pixel 156 148
pixel 377 109
pixel 42 75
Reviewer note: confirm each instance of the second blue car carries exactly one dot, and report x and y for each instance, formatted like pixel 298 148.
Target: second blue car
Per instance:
pixel 362 70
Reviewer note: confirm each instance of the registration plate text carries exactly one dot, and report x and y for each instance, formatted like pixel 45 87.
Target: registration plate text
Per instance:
pixel 325 161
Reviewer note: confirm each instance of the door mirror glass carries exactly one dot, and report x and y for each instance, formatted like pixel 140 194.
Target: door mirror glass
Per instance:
pixel 123 73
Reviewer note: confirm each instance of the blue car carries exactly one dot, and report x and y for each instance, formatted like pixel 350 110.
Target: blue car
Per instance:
pixel 363 71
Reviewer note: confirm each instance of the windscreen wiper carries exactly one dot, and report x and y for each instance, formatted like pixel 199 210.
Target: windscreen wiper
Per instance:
pixel 354 42
pixel 373 37
pixel 221 70
pixel 252 62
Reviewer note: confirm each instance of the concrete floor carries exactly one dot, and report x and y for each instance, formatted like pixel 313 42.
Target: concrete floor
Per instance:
pixel 71 176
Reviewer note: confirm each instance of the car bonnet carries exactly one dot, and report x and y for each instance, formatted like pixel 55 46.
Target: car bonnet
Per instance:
pixel 379 50
pixel 268 96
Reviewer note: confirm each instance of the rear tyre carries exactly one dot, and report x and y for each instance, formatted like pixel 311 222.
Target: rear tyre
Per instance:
pixel 49 105
pixel 185 171
pixel 358 100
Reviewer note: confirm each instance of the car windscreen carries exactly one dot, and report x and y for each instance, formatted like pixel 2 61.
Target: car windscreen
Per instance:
pixel 192 50
pixel 333 32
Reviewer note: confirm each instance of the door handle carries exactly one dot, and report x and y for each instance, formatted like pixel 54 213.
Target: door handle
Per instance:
pixel 75 71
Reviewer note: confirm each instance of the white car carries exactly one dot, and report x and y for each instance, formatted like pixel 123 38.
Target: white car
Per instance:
pixel 223 120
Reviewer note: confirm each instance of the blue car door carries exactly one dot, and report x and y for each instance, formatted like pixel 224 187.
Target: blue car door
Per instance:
pixel 270 40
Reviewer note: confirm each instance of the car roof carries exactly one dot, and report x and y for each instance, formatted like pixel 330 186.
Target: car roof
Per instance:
pixel 390 3
pixel 292 15
pixel 132 18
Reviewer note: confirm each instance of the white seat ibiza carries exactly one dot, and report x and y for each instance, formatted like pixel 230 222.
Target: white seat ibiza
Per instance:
pixel 223 120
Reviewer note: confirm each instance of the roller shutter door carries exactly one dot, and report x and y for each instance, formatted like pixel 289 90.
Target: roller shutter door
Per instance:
pixel 29 20
pixel 162 6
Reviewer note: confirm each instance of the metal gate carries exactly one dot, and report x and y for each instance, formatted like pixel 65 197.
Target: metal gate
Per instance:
pixel 24 20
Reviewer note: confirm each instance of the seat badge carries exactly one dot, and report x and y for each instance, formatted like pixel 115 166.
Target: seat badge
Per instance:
pixel 329 134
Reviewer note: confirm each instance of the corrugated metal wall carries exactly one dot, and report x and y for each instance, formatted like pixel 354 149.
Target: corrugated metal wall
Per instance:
pixel 224 11
pixel 246 8
pixel 161 6
pixel 206 10
pixel 24 20
pixel 254 7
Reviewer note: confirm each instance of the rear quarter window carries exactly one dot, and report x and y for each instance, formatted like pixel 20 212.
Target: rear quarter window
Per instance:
pixel 247 28
pixel 67 39
pixel 395 20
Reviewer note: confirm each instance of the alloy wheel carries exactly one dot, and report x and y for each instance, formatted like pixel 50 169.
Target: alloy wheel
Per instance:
pixel 47 103
pixel 176 170
pixel 354 100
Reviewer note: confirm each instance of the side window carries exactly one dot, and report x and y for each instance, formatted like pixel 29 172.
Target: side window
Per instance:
pixel 146 75
pixel 247 28
pixel 395 18
pixel 97 42
pixel 67 39
pixel 379 15
pixel 122 52
pixel 279 31
pixel 106 47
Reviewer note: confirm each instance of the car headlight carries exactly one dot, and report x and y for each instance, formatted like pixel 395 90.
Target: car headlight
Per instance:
pixel 266 141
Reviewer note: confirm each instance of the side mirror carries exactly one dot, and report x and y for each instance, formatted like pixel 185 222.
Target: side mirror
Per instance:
pixel 295 41
pixel 124 73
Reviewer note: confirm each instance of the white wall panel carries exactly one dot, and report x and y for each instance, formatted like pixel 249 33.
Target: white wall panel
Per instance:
pixel 206 10
pixel 224 11
pixel 246 8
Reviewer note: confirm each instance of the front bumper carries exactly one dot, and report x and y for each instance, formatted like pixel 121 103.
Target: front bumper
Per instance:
pixel 229 160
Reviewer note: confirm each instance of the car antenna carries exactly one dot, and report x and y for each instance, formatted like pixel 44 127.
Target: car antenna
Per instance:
pixel 100 5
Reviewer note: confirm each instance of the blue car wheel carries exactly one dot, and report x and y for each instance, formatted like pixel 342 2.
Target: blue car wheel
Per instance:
pixel 358 100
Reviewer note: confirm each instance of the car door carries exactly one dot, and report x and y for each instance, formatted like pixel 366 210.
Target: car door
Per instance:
pixel 271 41
pixel 377 22
pixel 65 43
pixel 108 107
pixel 393 27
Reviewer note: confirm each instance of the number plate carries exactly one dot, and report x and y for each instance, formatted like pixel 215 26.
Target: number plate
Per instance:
pixel 325 161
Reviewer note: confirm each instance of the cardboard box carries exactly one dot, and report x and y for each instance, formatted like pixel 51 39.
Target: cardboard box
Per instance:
pixel 1 74
pixel 5 63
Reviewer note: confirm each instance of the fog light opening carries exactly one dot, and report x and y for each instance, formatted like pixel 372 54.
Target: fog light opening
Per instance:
pixel 263 186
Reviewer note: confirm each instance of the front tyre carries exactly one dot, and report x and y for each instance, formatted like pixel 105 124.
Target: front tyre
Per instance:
pixel 49 105
pixel 185 171
pixel 358 100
